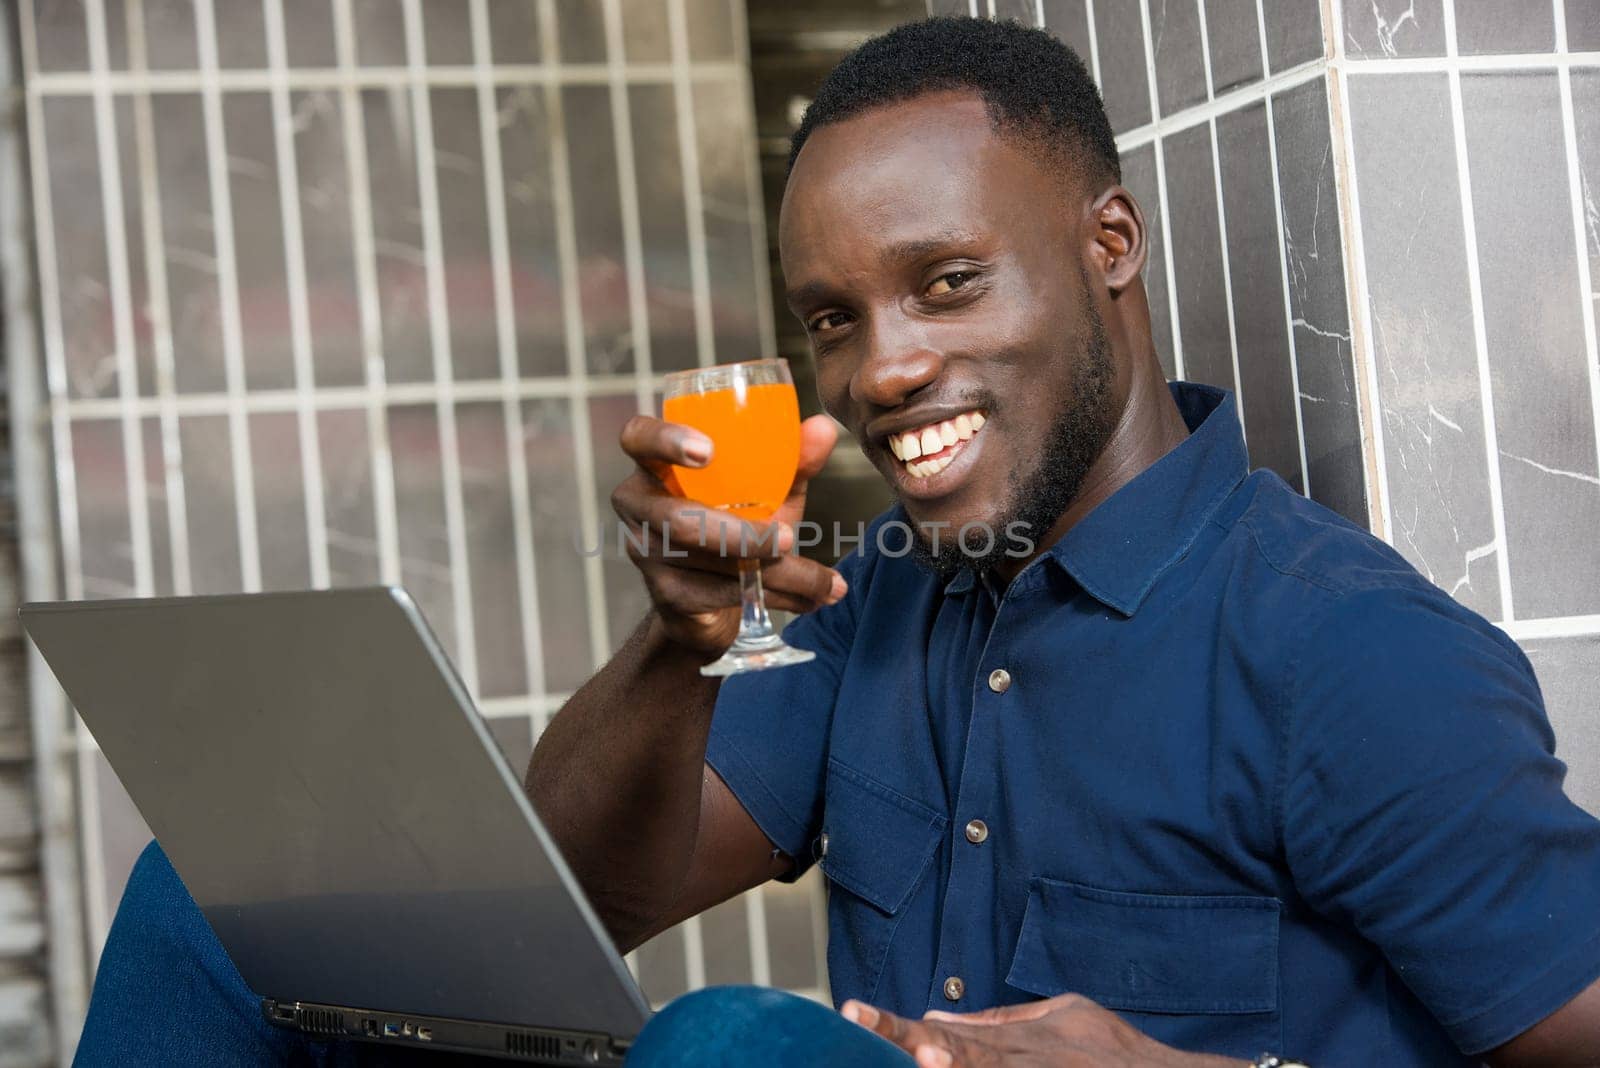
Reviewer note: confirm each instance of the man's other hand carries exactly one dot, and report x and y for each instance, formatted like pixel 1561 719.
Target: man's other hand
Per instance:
pixel 694 582
pixel 1064 1032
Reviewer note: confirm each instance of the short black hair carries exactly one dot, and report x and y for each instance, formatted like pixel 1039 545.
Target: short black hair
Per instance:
pixel 1031 82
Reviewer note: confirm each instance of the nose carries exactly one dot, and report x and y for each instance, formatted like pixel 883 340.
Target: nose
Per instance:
pixel 899 361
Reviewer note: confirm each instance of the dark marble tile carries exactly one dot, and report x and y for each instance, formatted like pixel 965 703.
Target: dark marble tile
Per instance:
pixel 447 34
pixel 420 518
pixel 194 293
pixel 1196 235
pixel 1485 26
pixel 83 260
pixel 1533 315
pixel 1583 25
pixel 514 735
pixel 400 263
pixel 1330 418
pixel 209 503
pixel 581 32
pixel 626 600
pixel 241 36
pixel 464 233
pixel 514 31
pixel 1139 176
pixel 1266 370
pixel 725 940
pixel 1567 669
pixel 1234 35
pixel 1069 20
pixel 1421 313
pixel 259 258
pixel 1179 58
pixel 664 229
pixel 712 28
pixel 1124 71
pixel 597 223
pixel 280 500
pixel 548 449
pixel 348 515
pixel 1023 11
pixel 308 33
pixel 169 33
pixel 1394 28
pixel 647 33
pixel 141 236
pixel 61 34
pixel 536 283
pixel 1294 33
pixel 737 270
pixel 157 513
pixel 380 33
pixel 105 531
pixel 327 239
pixel 1586 101
pixel 491 545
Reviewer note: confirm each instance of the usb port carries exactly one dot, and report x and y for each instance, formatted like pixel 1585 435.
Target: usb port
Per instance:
pixel 425 1034
pixel 391 1029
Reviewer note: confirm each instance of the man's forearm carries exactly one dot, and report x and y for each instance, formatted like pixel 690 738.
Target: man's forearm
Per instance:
pixel 617 778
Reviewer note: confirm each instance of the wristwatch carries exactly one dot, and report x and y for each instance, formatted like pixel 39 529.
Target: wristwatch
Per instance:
pixel 1272 1060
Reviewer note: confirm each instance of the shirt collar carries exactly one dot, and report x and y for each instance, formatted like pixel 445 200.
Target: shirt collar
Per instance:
pixel 1116 552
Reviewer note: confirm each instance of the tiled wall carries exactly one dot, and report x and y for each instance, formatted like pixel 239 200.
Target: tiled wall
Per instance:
pixel 334 293
pixel 1444 156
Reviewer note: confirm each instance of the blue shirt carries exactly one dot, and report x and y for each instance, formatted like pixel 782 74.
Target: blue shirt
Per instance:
pixel 1247 779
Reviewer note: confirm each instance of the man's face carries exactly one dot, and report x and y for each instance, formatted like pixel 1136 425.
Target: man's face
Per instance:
pixel 940 270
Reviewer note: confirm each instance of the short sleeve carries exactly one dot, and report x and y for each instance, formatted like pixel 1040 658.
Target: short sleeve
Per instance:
pixel 1423 806
pixel 769 732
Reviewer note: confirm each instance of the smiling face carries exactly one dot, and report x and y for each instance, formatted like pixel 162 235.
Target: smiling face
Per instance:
pixel 944 273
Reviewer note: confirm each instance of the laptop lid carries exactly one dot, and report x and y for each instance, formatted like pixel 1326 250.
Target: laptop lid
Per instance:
pixel 318 776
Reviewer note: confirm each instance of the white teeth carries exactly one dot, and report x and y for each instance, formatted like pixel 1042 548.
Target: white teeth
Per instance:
pixel 930 442
pixel 963 427
pixel 929 467
pixel 894 446
pixel 978 420
pixel 947 433
pixel 910 446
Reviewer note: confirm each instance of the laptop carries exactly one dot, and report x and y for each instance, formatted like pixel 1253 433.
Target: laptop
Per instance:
pixel 320 779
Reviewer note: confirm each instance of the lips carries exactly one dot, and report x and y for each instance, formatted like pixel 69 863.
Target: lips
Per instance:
pixel 927 450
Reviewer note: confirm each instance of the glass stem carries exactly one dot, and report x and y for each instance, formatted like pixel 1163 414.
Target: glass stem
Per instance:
pixel 755 627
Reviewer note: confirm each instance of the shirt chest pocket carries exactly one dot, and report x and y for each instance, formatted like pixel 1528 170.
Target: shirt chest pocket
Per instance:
pixel 1196 972
pixel 876 848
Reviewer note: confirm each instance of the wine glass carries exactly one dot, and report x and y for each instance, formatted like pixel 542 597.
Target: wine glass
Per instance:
pixel 750 413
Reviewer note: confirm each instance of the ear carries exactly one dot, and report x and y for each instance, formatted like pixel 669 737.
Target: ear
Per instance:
pixel 1118 245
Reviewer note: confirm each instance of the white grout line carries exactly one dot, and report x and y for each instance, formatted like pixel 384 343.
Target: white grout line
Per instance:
pixel 159 310
pixel 359 186
pixel 572 317
pixel 1579 231
pixel 1479 328
pixel 244 483
pixel 121 305
pixel 1205 49
pixel 1094 41
pixel 339 398
pixel 22 149
pixel 506 337
pixel 694 953
pixel 628 191
pixel 1288 303
pixel 439 334
pixel 765 325
pixel 694 208
pixel 1369 404
pixel 819 925
pixel 1161 187
pixel 1451 61
pixel 1227 279
pixel 1038 13
pixel 1558 627
pixel 81 83
pixel 1233 99
pixel 299 312
pixel 92 846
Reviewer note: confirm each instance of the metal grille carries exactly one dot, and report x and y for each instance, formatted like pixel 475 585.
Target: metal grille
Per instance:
pixel 361 291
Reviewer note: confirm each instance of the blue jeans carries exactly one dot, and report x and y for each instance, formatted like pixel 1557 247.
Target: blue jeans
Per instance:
pixel 167 994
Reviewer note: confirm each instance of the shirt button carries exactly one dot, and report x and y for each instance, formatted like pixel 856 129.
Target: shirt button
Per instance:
pixel 822 845
pixel 999 680
pixel 954 988
pixel 977 832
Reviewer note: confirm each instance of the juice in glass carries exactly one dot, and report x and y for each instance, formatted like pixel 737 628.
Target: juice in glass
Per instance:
pixel 755 434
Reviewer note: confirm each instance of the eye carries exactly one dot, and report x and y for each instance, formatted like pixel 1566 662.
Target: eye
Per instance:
pixel 947 283
pixel 827 321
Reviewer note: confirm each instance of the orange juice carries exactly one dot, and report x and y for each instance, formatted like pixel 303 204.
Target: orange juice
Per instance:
pixel 755 436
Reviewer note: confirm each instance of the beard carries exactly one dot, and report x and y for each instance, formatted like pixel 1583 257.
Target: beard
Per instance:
pixel 1037 497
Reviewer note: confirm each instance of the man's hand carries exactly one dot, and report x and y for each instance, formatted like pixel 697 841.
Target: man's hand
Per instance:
pixel 1063 1032
pixel 694 580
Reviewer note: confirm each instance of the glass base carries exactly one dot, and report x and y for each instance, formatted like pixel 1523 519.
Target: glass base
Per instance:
pixel 756 656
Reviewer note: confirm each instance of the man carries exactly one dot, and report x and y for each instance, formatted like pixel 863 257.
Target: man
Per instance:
pixel 1201 771
pixel 1210 756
